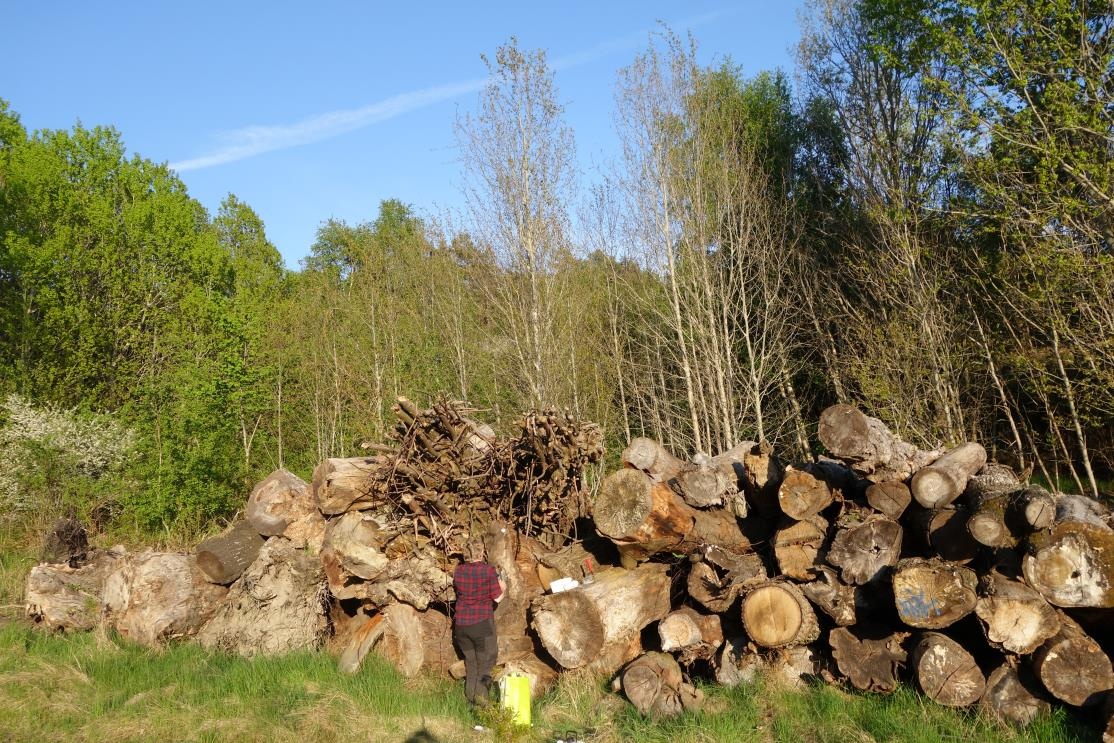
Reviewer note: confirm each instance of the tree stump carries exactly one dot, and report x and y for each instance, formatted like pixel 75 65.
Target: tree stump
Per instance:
pixel 868 446
pixel 777 614
pixel 933 594
pixel 797 547
pixel 868 657
pixel 225 557
pixel 1073 667
pixel 1014 616
pixel 1010 699
pixel 656 687
pixel 941 482
pixel 1072 564
pixel 946 672
pixel 862 550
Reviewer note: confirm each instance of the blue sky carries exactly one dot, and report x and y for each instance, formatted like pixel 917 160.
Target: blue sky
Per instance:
pixel 315 110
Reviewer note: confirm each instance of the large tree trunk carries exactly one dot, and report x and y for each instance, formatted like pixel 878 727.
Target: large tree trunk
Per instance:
pixel 777 614
pixel 1072 564
pixel 282 505
pixel 862 550
pixel 868 446
pixel 343 484
pixel 692 634
pixel 64 598
pixel 941 482
pixel 656 687
pixel 1012 699
pixel 1073 667
pixel 153 597
pixel 578 625
pixel 946 672
pixel 278 605
pixel 1015 617
pixel 225 557
pixel 932 594
pixel 868 658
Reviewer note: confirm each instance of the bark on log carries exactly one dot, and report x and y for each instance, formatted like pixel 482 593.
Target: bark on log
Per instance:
pixel 342 484
pixel 748 465
pixel 281 505
pixel 777 614
pixel 576 626
pixel 992 481
pixel 762 475
pixel 652 458
pixel 721 577
pixel 863 550
pixel 692 634
pixel 868 657
pixel 1038 507
pixel 1012 699
pixel 153 597
pixel 944 532
pixel 867 445
pixel 1072 564
pixel 1015 617
pixel 797 547
pixel 946 672
pixel 833 597
pixel 277 606
pixel 933 594
pixel 646 517
pixel 941 482
pixel 225 557
pixel 889 497
pixel 1073 667
pixel 656 687
pixel 64 598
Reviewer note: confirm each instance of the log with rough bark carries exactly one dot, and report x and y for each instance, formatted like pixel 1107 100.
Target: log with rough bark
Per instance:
pixel 1073 667
pixel 281 505
pixel 797 546
pixel 777 614
pixel 225 557
pixel 946 672
pixel 864 546
pixel 762 475
pixel 720 577
pixel 941 482
pixel 656 687
pixel 277 606
pixel 868 657
pixel 1000 513
pixel 834 597
pixel 152 597
pixel 578 625
pixel 511 556
pixel 1072 564
pixel 67 598
pixel 1015 617
pixel 868 446
pixel 652 458
pixel 944 532
pixel 889 497
pixel 645 517
pixel 1012 697
pixel 341 484
pixel 746 465
pixel 690 633
pixel 933 594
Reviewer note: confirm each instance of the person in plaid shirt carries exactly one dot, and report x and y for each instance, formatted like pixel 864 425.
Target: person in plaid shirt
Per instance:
pixel 478 588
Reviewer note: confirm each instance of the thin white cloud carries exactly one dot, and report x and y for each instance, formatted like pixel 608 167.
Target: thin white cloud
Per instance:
pixel 257 139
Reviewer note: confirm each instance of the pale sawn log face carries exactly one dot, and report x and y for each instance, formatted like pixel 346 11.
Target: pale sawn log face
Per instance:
pixel 941 482
pixel 946 672
pixel 933 594
pixel 1011 699
pixel 1073 667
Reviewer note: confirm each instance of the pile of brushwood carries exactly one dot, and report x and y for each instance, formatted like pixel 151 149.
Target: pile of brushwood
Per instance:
pixel 877 564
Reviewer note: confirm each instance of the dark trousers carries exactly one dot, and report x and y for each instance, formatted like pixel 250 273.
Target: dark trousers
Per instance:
pixel 478 645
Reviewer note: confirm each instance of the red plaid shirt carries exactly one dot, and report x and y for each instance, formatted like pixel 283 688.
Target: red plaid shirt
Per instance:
pixel 476 585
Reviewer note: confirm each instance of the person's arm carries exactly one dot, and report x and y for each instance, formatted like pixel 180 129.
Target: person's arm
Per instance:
pixel 502 591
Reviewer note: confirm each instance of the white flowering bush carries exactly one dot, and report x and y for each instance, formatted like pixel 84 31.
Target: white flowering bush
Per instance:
pixel 34 439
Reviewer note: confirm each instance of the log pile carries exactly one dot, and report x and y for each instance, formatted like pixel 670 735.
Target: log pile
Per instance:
pixel 876 565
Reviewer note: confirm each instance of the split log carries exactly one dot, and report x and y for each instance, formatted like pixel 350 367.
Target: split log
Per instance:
pixel 833 597
pixel 721 577
pixel 946 672
pixel 281 505
pixel 1072 564
pixel 152 597
pixel 694 635
pixel 656 687
pixel 418 577
pixel 359 640
pixel 868 657
pixel 1011 698
pixel 61 597
pixel 889 497
pixel 225 557
pixel 867 445
pixel 941 482
pixel 277 606
pixel 652 458
pixel 342 484
pixel 797 546
pixel 578 625
pixel 400 639
pixel 646 517
pixel 933 594
pixel 1014 616
pixel 1073 667
pixel 864 549
pixel 777 614
pixel 944 532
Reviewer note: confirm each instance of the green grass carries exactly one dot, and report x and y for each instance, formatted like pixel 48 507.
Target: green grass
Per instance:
pixel 96 687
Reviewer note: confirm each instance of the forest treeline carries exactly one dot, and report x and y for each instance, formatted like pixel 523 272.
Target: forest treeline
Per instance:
pixel 922 224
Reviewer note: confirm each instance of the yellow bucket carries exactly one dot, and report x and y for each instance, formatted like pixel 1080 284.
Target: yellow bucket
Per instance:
pixel 514 694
